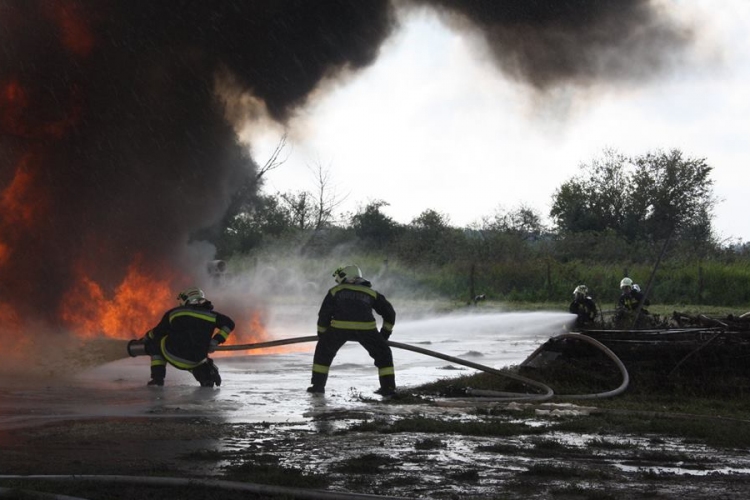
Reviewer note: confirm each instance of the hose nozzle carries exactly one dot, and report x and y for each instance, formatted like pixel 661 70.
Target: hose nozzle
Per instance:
pixel 137 348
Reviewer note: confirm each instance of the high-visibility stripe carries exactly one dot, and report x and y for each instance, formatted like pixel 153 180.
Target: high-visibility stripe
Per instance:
pixel 158 361
pixel 388 326
pixel 356 288
pixel 205 316
pixel 320 368
pixel 182 364
pixel 322 329
pixel 354 325
pixel 220 331
pixel 386 370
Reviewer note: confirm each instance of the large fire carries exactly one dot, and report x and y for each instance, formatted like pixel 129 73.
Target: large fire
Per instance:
pixel 40 118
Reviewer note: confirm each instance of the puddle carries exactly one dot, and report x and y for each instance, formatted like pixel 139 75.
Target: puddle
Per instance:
pixel 260 387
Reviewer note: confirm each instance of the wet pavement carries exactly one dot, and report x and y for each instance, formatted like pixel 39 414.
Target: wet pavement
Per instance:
pixel 261 386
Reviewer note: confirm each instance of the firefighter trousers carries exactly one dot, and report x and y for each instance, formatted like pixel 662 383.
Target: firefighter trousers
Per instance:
pixel 377 347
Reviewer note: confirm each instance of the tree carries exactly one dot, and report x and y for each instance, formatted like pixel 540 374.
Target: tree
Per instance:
pixel 595 199
pixel 429 238
pixel 249 229
pixel 523 222
pixel 646 198
pixel 244 201
pixel 673 195
pixel 301 209
pixel 373 227
pixel 273 161
pixel 327 201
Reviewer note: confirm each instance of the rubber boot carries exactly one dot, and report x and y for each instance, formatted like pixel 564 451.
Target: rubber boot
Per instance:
pixel 318 383
pixel 214 372
pixel 387 385
pixel 158 373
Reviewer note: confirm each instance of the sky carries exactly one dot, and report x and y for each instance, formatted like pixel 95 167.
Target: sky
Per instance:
pixel 433 124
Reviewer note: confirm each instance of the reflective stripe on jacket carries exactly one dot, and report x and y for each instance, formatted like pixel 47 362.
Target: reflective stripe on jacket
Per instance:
pixel 350 306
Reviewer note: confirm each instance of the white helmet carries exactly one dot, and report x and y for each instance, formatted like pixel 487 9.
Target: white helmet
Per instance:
pixel 626 282
pixel 636 287
pixel 192 295
pixel 581 289
pixel 347 274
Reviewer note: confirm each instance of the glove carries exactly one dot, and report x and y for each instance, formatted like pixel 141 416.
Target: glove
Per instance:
pixel 385 333
pixel 212 345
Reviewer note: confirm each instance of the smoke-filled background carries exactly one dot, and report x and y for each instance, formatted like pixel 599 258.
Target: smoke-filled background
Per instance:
pixel 119 121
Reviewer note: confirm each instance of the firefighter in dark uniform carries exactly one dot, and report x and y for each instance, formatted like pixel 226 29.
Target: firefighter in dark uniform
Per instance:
pixel 583 306
pixel 630 298
pixel 184 337
pixel 347 314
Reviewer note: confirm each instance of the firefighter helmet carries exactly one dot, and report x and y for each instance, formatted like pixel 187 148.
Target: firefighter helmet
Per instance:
pixel 636 287
pixel 626 282
pixel 347 273
pixel 192 295
pixel 581 290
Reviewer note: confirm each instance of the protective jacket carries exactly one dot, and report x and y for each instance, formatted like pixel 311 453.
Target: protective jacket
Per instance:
pixel 630 301
pixel 349 306
pixel 183 338
pixel 585 310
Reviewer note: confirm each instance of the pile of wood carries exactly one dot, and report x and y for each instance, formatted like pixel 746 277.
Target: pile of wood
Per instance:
pixel 697 354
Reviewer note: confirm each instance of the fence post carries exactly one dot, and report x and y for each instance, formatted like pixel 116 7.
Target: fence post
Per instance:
pixel 472 294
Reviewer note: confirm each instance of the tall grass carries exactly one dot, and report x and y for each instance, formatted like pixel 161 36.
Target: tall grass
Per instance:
pixel 520 279
pixel 540 280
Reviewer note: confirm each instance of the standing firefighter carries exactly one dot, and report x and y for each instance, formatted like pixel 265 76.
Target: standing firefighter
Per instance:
pixel 583 306
pixel 346 314
pixel 184 337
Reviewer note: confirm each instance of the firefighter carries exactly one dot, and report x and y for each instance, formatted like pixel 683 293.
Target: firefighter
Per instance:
pixel 583 306
pixel 185 336
pixel 630 298
pixel 347 314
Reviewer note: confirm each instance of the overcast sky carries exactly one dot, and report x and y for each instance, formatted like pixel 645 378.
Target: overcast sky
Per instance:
pixel 434 125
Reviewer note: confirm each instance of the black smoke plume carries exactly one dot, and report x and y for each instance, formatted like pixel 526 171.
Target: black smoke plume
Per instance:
pixel 114 143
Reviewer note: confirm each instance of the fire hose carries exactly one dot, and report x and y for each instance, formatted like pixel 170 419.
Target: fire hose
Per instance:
pixel 137 348
pixel 260 489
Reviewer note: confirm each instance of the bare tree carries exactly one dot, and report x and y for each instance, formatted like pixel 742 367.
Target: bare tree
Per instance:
pixel 327 198
pixel 274 161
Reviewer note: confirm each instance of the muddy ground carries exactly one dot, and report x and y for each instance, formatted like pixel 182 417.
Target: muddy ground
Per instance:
pixel 262 428
pixel 371 452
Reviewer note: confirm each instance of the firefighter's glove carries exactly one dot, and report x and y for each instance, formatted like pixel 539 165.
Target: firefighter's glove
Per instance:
pixel 385 333
pixel 212 345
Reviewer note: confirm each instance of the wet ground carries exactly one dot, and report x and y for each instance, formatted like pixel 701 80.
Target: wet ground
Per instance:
pixel 106 421
pixel 270 387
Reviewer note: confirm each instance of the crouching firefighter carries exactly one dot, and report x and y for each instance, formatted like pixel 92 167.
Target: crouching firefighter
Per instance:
pixel 347 314
pixel 184 337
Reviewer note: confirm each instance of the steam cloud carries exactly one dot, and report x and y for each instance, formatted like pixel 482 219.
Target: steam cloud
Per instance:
pixel 114 142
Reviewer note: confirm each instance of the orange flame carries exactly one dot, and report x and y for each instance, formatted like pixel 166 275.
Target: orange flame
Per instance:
pixel 21 202
pixel 75 32
pixel 135 306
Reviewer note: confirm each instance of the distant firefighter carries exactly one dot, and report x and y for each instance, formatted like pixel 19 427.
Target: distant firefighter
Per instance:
pixel 347 314
pixel 185 336
pixel 583 306
pixel 630 298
